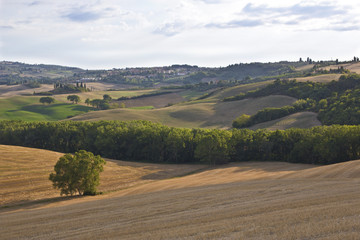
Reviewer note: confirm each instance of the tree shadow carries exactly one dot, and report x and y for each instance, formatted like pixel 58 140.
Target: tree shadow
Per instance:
pixel 28 205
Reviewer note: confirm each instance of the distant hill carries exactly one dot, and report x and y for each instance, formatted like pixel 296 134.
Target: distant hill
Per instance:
pixel 15 72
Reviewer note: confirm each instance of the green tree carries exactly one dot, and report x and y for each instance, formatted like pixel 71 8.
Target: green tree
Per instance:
pixel 47 100
pixel 77 173
pixel 241 121
pixel 107 97
pixel 213 147
pixel 73 98
pixel 87 101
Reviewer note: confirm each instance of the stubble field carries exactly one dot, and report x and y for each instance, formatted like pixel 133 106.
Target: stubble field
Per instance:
pixel 252 200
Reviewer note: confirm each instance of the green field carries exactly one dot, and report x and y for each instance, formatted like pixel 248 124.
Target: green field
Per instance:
pixel 28 108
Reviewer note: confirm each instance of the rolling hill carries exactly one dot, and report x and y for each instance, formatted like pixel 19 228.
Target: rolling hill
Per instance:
pixel 296 120
pixel 250 200
pixel 187 110
pixel 192 114
pixel 25 172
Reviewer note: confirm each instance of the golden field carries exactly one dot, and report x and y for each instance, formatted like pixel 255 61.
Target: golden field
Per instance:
pixel 250 200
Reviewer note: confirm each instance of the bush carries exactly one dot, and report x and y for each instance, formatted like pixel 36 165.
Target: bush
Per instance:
pixel 48 100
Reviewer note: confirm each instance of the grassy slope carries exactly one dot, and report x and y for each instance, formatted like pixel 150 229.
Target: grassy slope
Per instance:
pixel 28 108
pixel 296 120
pixel 16 107
pixel 251 200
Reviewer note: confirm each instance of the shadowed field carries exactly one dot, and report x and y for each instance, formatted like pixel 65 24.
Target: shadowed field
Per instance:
pixel 16 90
pixel 296 120
pixel 251 200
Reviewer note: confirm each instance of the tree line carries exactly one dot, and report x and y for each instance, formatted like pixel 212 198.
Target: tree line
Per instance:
pixel 337 102
pixel 152 142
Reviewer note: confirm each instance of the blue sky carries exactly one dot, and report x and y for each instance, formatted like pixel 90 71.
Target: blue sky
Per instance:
pixel 96 34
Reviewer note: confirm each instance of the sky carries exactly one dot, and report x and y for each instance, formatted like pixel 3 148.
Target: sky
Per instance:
pixel 105 34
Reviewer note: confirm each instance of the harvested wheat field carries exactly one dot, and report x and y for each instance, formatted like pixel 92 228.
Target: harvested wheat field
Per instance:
pixel 24 174
pixel 353 67
pixel 16 90
pixel 324 78
pixel 251 200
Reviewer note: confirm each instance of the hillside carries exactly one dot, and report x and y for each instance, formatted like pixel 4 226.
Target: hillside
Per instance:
pixel 250 200
pixel 353 67
pixel 28 108
pixel 296 120
pixel 195 105
pixel 24 174
pixel 193 114
pixel 196 96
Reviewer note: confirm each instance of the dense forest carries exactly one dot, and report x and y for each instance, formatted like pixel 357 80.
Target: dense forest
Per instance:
pixel 146 141
pixel 337 102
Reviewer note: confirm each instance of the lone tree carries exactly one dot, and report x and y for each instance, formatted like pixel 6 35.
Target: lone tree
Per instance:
pixel 73 98
pixel 77 173
pixel 48 100
pixel 107 97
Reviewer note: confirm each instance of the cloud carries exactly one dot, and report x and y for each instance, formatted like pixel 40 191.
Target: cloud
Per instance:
pixel 298 10
pixel 4 27
pixel 315 11
pixel 306 15
pixel 34 3
pixel 78 15
pixel 210 1
pixel 170 29
pixel 345 28
pixel 236 24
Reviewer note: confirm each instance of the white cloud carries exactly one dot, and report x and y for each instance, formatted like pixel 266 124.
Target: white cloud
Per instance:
pixel 120 33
